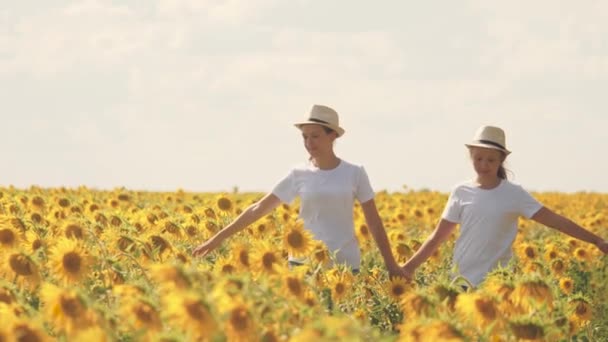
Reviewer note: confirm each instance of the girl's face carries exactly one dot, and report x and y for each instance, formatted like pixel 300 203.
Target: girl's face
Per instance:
pixel 316 140
pixel 486 161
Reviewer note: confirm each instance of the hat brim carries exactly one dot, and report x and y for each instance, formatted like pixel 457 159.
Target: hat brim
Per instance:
pixel 339 130
pixel 507 152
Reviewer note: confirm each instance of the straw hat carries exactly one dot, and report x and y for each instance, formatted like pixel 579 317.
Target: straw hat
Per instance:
pixel 324 116
pixel 490 137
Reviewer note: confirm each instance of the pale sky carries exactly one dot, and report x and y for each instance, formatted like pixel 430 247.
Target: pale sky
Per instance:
pixel 202 94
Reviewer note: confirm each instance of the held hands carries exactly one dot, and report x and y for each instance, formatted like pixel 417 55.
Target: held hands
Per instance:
pixel 398 271
pixel 408 271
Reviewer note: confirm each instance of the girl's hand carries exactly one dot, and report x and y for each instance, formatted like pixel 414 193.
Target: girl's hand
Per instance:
pixel 205 247
pixel 603 246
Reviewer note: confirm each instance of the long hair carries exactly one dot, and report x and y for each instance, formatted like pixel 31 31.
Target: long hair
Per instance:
pixel 502 171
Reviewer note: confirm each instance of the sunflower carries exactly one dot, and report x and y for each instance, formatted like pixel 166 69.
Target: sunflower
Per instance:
pixel 170 277
pixel 224 204
pixel 417 304
pixel 6 295
pixel 403 251
pixel 566 285
pixel 527 329
pixel 340 286
pixel 532 292
pixel 32 242
pixel 582 254
pixel 9 238
pixel 363 233
pixel 558 266
pixel 482 309
pixel 25 330
pixel 73 230
pixel 240 253
pixel 443 331
pixel 266 260
pixel 527 252
pixel 225 266
pixel 447 293
pixel 69 260
pixel 22 268
pixel 581 309
pixel 551 253
pixel 65 309
pixel 239 325
pixel 190 313
pixel 293 285
pixel 320 253
pixel 297 240
pixel 397 287
pixel 141 315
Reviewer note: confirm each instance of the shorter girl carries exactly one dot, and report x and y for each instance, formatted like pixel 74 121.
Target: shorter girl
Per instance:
pixel 487 210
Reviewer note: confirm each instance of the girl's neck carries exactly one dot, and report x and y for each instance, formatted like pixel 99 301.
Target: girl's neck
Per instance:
pixel 488 182
pixel 328 162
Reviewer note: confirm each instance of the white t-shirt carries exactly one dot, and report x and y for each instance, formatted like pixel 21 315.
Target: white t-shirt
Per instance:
pixel 326 204
pixel 488 225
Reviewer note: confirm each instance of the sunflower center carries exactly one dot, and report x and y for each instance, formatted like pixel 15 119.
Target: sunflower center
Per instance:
pixel 5 297
pixel 74 231
pixel 398 290
pixel 196 311
pixel 36 244
pixel 268 259
pixel 125 244
pixel 581 309
pixel 71 306
pixel 228 269
pixel 21 265
pixel 7 237
pixel 340 288
pixel 294 286
pixel 72 262
pixel 239 319
pixel 530 252
pixel 224 204
pixel 25 333
pixel 528 331
pixel 159 243
pixel 363 230
pixel 36 217
pixel 244 257
pixel 295 239
pixel 486 309
pixel 145 313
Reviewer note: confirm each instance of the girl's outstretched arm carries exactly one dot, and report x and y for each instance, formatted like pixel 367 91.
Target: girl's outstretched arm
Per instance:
pixel 443 230
pixel 376 228
pixel 563 224
pixel 253 213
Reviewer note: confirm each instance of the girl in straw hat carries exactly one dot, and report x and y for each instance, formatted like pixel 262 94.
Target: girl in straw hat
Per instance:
pixel 327 187
pixel 487 209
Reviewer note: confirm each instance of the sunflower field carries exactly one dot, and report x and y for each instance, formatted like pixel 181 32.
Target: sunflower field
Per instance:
pixel 91 265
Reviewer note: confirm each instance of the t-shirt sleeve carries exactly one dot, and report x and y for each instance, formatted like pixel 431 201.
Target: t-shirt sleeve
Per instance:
pixel 285 189
pixel 527 205
pixel 453 210
pixel 363 188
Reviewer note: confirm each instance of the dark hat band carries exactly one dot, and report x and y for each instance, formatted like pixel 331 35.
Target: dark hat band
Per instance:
pixel 319 121
pixel 488 142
